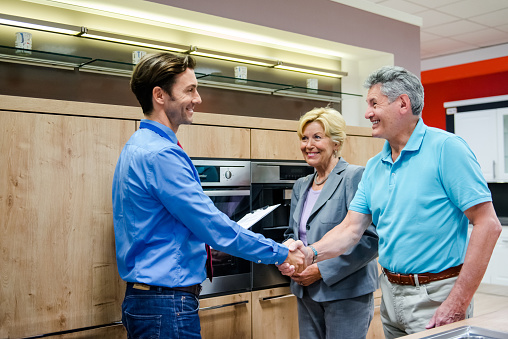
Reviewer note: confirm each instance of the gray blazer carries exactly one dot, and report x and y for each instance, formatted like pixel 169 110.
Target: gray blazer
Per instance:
pixel 355 272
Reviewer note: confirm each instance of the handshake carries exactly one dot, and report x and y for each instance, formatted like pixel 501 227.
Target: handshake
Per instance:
pixel 299 257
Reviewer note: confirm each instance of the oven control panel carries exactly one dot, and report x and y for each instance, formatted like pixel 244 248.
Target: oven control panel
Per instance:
pixel 223 172
pixel 278 172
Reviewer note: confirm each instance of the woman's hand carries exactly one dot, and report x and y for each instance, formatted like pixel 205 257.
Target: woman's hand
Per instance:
pixel 310 275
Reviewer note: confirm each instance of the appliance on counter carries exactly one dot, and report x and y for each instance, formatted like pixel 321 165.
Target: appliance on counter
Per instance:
pixel 271 184
pixel 227 183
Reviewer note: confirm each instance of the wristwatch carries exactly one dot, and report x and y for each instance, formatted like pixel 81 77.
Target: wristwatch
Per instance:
pixel 314 257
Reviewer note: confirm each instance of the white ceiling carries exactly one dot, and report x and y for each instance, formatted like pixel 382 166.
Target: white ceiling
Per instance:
pixel 453 26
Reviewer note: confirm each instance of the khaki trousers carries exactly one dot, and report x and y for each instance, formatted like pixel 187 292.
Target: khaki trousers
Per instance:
pixel 408 309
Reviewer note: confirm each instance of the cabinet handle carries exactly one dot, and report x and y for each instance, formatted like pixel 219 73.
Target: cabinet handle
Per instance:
pixel 223 305
pixel 494 168
pixel 277 297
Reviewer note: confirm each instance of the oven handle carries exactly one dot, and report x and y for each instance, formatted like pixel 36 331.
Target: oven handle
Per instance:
pixel 224 305
pixel 227 193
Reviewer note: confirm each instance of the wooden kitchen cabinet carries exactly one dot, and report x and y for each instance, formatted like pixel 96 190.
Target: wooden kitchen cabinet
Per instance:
pixel 226 316
pixel 357 150
pixel 275 145
pixel 274 314
pixel 285 145
pixel 110 332
pixel 57 245
pixel 215 141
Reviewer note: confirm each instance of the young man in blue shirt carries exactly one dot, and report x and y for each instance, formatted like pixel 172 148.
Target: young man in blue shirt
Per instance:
pixel 421 191
pixel 162 218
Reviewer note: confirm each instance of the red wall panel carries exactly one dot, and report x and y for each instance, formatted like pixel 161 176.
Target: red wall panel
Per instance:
pixel 468 81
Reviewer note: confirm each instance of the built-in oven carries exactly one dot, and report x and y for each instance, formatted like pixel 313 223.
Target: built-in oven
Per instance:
pixel 271 184
pixel 227 183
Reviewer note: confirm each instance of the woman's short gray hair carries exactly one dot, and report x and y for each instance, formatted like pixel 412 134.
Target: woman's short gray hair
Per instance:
pixel 396 81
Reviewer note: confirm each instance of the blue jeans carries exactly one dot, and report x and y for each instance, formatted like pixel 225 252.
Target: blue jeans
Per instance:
pixel 337 319
pixel 160 314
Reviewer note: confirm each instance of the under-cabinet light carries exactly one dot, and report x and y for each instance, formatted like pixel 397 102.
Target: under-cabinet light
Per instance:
pixel 251 61
pixel 133 43
pixel 83 32
pixel 280 65
pixel 39 27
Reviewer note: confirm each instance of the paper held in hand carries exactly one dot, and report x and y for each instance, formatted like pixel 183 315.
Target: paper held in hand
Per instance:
pixel 253 217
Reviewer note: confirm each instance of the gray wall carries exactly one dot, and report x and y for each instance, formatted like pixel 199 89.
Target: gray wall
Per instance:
pixel 322 19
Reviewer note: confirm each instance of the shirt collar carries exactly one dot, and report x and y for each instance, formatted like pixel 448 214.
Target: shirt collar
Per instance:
pixel 167 130
pixel 413 144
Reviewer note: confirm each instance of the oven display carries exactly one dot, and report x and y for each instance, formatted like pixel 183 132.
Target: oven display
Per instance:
pixel 208 174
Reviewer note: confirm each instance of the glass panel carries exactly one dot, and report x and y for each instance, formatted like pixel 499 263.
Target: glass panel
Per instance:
pixel 249 85
pixel 211 73
pixel 42 57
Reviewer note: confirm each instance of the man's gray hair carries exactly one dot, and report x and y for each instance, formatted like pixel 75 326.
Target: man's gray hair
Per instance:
pixel 396 81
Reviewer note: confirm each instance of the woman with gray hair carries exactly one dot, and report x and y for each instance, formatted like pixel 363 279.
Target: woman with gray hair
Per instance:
pixel 335 297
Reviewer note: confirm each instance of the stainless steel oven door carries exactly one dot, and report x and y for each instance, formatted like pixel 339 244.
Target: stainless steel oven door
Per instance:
pixel 230 273
pixel 271 184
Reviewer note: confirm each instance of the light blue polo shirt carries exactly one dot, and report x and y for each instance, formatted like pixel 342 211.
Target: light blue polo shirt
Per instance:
pixel 417 202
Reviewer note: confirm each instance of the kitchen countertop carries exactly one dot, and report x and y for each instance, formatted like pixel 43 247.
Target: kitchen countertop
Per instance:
pixel 494 319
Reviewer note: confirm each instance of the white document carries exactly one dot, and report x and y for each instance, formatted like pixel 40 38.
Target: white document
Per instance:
pixel 253 217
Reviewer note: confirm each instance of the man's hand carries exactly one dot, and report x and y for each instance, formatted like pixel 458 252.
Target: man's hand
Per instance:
pixel 310 275
pixel 296 250
pixel 295 261
pixel 447 313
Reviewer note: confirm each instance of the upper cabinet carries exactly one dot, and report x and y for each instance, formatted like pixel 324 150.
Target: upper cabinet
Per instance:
pixel 275 145
pixel 215 141
pixel 486 132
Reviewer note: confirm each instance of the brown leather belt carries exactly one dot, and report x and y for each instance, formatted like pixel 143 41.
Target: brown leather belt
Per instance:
pixel 424 278
pixel 194 289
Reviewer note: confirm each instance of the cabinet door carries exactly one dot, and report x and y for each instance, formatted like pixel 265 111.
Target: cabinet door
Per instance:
pixel 499 275
pixel 226 317
pixel 479 130
pixel 275 145
pixel 502 134
pixel 214 141
pixel 358 150
pixel 57 244
pixel 274 314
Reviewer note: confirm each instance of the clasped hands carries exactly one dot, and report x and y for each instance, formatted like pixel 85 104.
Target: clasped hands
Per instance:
pixel 298 258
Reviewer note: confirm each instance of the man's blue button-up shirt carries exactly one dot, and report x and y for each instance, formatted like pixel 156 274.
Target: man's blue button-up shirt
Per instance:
pixel 162 217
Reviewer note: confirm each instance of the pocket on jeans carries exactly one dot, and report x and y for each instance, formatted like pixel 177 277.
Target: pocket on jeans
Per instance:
pixel 189 304
pixel 438 291
pixel 143 326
